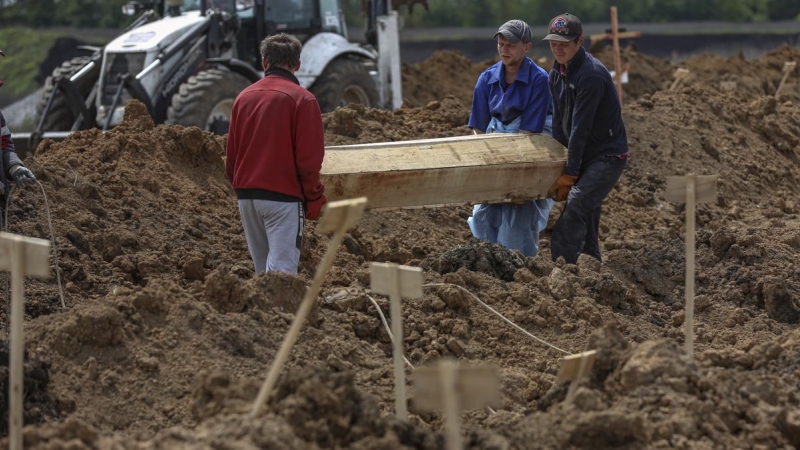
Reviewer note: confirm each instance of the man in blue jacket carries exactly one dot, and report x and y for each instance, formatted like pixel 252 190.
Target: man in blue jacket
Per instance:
pixel 512 97
pixel 587 119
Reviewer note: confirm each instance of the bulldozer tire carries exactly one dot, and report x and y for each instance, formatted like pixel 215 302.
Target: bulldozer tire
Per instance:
pixel 61 117
pixel 345 81
pixel 205 100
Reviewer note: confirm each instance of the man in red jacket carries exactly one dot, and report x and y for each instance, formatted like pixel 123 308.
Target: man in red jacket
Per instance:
pixel 274 156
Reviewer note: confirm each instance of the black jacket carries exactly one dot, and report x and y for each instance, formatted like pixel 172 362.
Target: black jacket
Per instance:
pixel 8 158
pixel 587 118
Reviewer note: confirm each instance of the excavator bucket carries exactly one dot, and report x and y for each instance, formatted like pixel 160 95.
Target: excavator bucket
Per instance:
pixel 25 143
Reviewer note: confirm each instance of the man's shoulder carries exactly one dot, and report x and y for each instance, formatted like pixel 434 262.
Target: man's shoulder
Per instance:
pixel 593 67
pixel 491 74
pixel 536 71
pixel 277 86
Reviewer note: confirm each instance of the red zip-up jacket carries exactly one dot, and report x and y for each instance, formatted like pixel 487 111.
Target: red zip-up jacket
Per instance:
pixel 276 141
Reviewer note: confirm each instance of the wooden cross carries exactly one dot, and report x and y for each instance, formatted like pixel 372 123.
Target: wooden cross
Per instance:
pixel 21 256
pixel 574 368
pixel 615 35
pixel 397 282
pixel 452 388
pixel 788 67
pixel 338 217
pixel 691 189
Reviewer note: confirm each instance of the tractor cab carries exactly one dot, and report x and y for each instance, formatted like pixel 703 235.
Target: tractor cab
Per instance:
pixel 301 18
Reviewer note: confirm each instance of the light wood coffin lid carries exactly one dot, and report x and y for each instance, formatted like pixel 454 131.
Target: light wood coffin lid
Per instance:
pixel 466 169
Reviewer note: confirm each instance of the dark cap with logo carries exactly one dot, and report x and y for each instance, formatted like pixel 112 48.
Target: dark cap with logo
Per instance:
pixel 565 28
pixel 515 31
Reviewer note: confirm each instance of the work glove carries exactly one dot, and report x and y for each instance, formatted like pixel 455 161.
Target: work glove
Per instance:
pixel 314 208
pixel 22 175
pixel 560 189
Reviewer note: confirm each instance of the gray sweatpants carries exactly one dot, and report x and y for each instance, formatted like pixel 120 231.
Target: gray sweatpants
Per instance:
pixel 274 233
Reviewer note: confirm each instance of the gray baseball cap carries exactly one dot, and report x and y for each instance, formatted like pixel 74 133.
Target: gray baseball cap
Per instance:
pixel 515 31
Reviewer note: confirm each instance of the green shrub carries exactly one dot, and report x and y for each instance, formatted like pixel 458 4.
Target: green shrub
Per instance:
pixel 25 49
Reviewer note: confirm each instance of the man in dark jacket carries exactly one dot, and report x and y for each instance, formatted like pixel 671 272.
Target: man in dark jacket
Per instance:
pixel 11 167
pixel 587 119
pixel 274 156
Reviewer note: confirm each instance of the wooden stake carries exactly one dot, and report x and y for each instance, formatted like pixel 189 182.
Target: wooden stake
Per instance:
pixel 690 217
pixel 22 256
pixel 617 60
pixel 338 217
pixel 788 67
pixel 451 387
pixel 678 76
pixel 691 189
pixel 397 282
pixel 574 368
pixel 448 375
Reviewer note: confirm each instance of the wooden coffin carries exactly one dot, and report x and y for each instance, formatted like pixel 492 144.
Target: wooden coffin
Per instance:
pixel 466 169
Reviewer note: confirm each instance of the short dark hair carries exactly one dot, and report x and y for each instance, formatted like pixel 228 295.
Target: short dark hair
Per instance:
pixel 281 50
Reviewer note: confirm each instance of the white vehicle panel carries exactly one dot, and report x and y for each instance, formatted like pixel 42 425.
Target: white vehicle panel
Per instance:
pixel 156 35
pixel 320 50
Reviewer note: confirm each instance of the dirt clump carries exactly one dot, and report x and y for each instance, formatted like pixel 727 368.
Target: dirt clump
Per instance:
pixel 478 256
pixel 38 405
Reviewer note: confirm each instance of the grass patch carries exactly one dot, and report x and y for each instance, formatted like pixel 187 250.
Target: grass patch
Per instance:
pixel 25 50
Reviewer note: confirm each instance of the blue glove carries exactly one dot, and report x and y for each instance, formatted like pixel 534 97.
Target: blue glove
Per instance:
pixel 22 176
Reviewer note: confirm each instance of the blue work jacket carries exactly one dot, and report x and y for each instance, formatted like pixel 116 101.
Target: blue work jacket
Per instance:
pixel 527 98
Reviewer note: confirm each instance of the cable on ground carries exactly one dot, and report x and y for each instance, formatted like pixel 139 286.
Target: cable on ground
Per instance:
pixel 52 241
pixel 391 337
pixel 475 297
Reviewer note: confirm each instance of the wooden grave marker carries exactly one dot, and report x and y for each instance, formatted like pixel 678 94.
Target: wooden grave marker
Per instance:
pixel 21 256
pixel 691 189
pixel 397 282
pixel 678 76
pixel 337 217
pixel 451 388
pixel 574 368
pixel 614 35
pixel 788 67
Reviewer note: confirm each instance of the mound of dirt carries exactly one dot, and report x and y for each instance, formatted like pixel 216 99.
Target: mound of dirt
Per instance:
pixel 739 75
pixel 653 395
pixel 167 333
pixel 734 75
pixel 445 72
pixel 646 74
pixel 354 123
